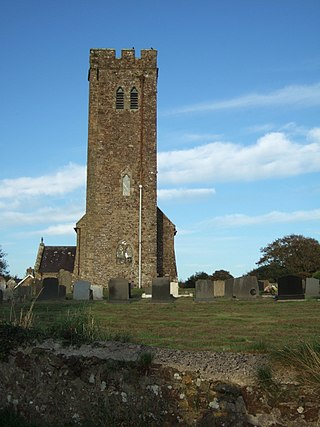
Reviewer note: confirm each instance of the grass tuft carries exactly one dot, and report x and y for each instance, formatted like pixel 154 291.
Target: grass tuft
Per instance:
pixel 305 357
pixel 264 375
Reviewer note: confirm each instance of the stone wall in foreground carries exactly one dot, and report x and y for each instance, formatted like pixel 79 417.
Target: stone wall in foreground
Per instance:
pixel 115 384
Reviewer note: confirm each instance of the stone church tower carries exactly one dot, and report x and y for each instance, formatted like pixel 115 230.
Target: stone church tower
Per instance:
pixel 123 233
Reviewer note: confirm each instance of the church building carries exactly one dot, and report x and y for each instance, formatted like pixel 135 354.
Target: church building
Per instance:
pixel 123 233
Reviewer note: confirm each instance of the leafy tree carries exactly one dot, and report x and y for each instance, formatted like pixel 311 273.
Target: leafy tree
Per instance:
pixel 293 254
pixel 3 264
pixel 221 275
pixel 316 275
pixel 191 281
pixel 269 272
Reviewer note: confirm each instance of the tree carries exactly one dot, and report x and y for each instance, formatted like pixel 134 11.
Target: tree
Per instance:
pixel 3 264
pixel 191 281
pixel 293 254
pixel 221 275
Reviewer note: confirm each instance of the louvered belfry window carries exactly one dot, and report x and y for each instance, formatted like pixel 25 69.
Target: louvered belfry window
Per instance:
pixel 120 99
pixel 134 99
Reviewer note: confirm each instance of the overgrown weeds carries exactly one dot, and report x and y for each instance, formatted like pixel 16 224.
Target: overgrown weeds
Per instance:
pixel 305 358
pixel 264 375
pixel 80 327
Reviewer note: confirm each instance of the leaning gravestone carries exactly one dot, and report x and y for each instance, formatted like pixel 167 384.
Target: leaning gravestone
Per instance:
pixel 204 290
pixel 218 288
pixel 119 290
pixel 246 287
pixel 290 287
pixel 228 288
pixel 97 292
pixel 161 290
pixel 81 290
pixel 50 288
pixel 312 287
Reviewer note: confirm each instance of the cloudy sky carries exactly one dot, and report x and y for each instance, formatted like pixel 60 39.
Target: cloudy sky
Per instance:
pixel 238 121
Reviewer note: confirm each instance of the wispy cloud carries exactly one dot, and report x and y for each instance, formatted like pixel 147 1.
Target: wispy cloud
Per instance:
pixel 275 217
pixel 40 215
pixel 55 230
pixel 272 156
pixel 64 181
pixel 189 193
pixel 292 96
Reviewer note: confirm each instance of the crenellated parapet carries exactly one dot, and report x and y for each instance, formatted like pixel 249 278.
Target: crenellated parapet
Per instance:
pixel 106 58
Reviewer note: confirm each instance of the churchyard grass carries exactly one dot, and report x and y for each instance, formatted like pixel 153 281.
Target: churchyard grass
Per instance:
pixel 261 325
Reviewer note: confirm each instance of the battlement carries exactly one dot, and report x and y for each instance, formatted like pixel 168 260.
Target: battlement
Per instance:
pixel 106 58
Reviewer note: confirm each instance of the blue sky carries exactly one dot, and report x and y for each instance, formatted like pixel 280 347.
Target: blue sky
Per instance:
pixel 238 121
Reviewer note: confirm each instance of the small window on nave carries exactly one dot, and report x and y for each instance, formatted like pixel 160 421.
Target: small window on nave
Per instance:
pixel 120 99
pixel 134 99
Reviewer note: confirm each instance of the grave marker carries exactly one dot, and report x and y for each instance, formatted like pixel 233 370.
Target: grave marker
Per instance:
pixel 119 290
pixel 81 290
pixel 246 287
pixel 161 290
pixel 312 287
pixel 204 290
pixel 290 287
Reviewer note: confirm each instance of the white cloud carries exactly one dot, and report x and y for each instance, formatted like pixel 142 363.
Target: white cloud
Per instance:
pixel 67 179
pixel 272 156
pixel 292 96
pixel 275 217
pixel 314 135
pixel 178 193
pixel 56 230
pixel 40 216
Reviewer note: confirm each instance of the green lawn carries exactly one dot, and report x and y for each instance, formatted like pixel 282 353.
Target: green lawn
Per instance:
pixel 223 325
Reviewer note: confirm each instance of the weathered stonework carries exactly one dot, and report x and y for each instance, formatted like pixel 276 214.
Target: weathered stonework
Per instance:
pixel 121 171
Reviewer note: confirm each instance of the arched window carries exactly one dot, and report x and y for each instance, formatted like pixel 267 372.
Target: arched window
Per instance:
pixel 134 99
pixel 124 253
pixel 126 185
pixel 120 99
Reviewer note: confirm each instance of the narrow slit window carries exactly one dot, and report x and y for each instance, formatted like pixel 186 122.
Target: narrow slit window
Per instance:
pixel 120 99
pixel 126 185
pixel 134 99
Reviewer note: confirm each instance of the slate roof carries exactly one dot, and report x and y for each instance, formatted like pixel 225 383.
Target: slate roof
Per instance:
pixel 55 258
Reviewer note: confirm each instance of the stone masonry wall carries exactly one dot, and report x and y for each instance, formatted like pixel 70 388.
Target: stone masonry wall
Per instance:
pixel 112 384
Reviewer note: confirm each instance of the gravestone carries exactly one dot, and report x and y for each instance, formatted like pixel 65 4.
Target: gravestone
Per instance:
pixel 81 290
pixel 290 287
pixel 3 284
pixel 65 279
pixel 228 288
pixel 312 287
pixel 174 289
pixel 204 290
pixel 23 293
pixel 50 288
pixel 218 288
pixel 246 287
pixel 11 284
pixel 7 294
pixel 97 292
pixel 62 291
pixel 263 284
pixel 161 290
pixel 119 290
